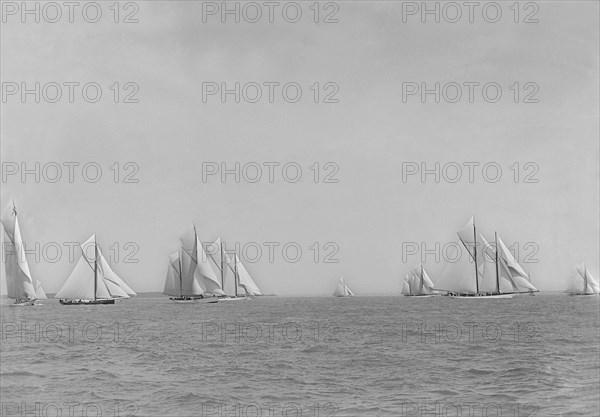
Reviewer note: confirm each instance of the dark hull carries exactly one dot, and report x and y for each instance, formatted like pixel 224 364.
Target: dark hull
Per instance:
pixel 85 302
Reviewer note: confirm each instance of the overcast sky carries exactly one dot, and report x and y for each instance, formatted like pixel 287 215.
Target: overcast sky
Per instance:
pixel 370 214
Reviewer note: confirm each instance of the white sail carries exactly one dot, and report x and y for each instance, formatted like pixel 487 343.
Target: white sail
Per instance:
pixel 222 261
pixel 80 284
pixel 405 287
pixel 109 275
pixel 39 291
pixel 173 277
pixel 245 280
pixel 342 290
pixel 591 284
pixel 458 274
pixel 349 291
pixel 427 282
pixel 511 270
pixel 190 280
pixel 19 283
pixel 203 272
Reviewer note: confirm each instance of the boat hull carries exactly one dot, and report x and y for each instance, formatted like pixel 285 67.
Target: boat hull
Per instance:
pixel 422 295
pixel 479 296
pixel 230 299
pixel 20 303
pixel 582 294
pixel 85 302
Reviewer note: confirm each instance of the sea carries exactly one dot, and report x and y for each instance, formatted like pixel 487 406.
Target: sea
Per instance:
pixel 320 356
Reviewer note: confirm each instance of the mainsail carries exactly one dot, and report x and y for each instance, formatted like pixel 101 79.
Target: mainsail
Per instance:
pixel 342 290
pixel 93 278
pixel 19 283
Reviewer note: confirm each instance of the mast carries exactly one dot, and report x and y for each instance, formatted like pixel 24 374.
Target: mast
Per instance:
pixel 223 269
pixel 421 283
pixel 235 275
pixel 584 279
pixel 497 274
pixel 475 255
pixel 95 267
pixel 180 277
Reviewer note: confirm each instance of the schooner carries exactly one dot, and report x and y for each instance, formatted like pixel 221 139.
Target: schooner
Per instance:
pixel 497 273
pixel 93 281
pixel 191 278
pixel 20 284
pixel 417 283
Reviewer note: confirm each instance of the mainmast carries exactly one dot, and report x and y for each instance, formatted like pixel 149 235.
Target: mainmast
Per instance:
pixel 421 284
pixel 180 277
pixel 223 269
pixel 475 255
pixel 235 275
pixel 497 274
pixel 95 267
pixel 584 279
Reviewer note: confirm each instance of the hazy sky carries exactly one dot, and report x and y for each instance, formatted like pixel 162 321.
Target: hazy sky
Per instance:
pixel 370 214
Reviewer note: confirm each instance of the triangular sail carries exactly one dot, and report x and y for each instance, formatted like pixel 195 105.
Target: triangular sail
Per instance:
pixel 80 284
pixel 511 270
pixel 349 291
pixel 405 287
pixel 39 291
pixel 591 284
pixel 340 289
pixel 173 276
pixel 203 272
pixel 190 281
pixel 19 283
pixel 245 280
pixel 123 290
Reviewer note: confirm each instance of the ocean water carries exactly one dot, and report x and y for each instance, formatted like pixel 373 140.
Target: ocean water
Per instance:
pixel 278 356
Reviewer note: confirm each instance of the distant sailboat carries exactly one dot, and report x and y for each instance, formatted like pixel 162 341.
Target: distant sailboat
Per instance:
pixel 20 284
pixel 190 277
pixel 93 281
pixel 242 281
pixel 417 283
pixel 583 283
pixel 342 290
pixel 497 273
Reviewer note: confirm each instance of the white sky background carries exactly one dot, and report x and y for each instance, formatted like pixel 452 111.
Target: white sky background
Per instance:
pixel 369 134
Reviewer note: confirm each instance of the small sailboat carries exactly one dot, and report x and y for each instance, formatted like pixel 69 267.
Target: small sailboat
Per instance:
pixel 418 284
pixel 497 273
pixel 583 283
pixel 342 290
pixel 93 281
pixel 20 284
pixel 190 277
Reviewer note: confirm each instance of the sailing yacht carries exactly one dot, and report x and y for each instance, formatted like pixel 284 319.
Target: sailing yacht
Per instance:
pixel 242 281
pixel 497 273
pixel 93 281
pixel 20 284
pixel 190 278
pixel 342 290
pixel 242 286
pixel 589 286
pixel 418 284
